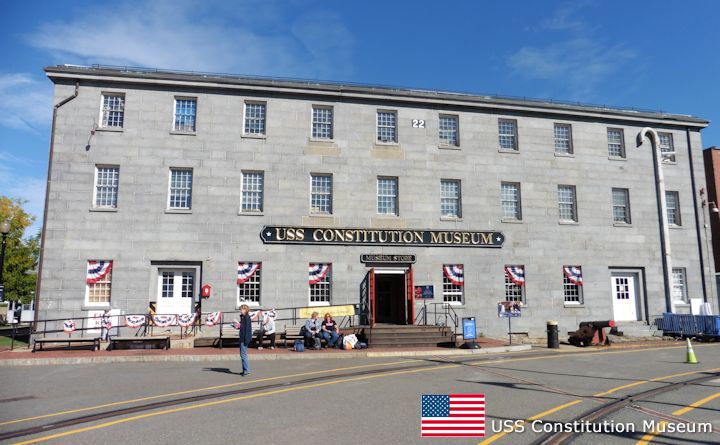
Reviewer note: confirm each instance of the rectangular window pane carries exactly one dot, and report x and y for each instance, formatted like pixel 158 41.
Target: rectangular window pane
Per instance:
pixel 672 201
pixel 249 290
pixel 187 285
pixel 450 198
pixel 168 284
pixel 113 110
pixel 452 290
pixel 667 148
pixel 387 195
pixel 99 292
pixel 567 203
pixel 185 111
pixel 621 205
pixel 507 133
pixel 321 194
pixel 180 189
pixel 616 142
pixel 514 282
pixel 255 118
pixel 449 130
pixel 679 291
pixel 106 186
pixel 563 139
pixel 252 191
pixel 572 290
pixel 510 200
pixel 320 292
pixel 322 123
pixel 386 126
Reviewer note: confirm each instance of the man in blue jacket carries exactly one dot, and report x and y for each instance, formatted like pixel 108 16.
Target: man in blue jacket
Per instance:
pixel 245 337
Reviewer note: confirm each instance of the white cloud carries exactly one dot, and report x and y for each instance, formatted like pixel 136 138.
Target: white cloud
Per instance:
pixel 25 102
pixel 182 35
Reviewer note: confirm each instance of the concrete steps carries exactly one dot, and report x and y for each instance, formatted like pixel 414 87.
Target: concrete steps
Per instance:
pixel 398 336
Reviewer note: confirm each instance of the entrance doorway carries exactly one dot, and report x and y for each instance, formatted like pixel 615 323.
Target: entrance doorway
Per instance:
pixel 176 288
pixel 625 296
pixel 390 298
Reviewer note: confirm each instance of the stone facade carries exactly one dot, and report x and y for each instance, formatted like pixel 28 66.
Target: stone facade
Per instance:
pixel 142 236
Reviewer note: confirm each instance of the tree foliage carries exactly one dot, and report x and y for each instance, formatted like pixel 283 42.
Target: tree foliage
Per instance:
pixel 21 255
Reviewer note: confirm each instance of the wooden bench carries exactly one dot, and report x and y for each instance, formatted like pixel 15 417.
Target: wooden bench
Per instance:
pixel 230 333
pixel 144 342
pixel 292 333
pixel 94 342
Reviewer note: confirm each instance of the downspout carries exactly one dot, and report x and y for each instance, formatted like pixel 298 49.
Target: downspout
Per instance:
pixel 697 217
pixel 47 199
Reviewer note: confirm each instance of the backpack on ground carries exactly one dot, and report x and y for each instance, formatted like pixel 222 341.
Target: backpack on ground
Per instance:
pixel 299 346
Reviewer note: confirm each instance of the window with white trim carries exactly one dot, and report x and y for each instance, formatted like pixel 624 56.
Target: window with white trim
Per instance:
pixel 180 193
pixel 667 148
pixel 563 139
pixel 98 293
pixel 107 178
pixel 321 194
pixel 320 292
pixel 185 114
pixel 112 110
pixel 572 289
pixel 510 200
pixel 621 205
pixel 514 282
pixel 253 185
pixel 616 142
pixel 567 203
pixel 450 198
pixel 255 115
pixel 322 122
pixel 672 205
pixel 507 134
pixel 679 290
pixel 387 196
pixel 453 287
pixel 387 126
pixel 249 291
pixel 448 130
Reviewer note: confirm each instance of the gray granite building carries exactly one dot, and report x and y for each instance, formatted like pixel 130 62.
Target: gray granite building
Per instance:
pixel 296 193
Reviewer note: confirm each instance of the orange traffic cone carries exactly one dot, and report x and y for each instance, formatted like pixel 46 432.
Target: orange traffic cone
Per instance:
pixel 691 359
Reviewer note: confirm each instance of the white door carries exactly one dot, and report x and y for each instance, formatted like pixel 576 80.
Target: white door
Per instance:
pixel 176 288
pixel 624 296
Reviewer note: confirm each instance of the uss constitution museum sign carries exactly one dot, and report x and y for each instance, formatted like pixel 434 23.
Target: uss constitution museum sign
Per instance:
pixel 380 237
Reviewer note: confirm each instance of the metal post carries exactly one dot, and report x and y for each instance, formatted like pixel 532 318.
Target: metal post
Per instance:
pixel 2 257
pixel 12 340
pixel 510 330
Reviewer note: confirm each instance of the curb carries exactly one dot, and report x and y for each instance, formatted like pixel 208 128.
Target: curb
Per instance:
pixel 253 357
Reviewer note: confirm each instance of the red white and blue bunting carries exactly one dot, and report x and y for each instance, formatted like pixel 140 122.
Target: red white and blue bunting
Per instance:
pixel 213 318
pixel 454 273
pixel 317 272
pixel 516 274
pixel 163 320
pixel 574 274
pixel 97 270
pixel 69 326
pixel 186 320
pixel 246 271
pixel 134 321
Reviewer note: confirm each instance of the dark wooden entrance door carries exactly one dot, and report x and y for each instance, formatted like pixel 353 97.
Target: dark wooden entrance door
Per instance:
pixel 390 298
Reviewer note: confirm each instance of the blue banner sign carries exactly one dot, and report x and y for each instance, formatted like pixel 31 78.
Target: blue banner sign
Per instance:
pixel 424 292
pixel 469 328
pixel 509 309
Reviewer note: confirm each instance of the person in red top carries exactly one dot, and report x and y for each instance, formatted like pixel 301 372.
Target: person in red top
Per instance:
pixel 329 330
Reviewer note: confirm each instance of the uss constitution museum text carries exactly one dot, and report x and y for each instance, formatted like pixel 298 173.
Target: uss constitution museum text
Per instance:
pixel 284 193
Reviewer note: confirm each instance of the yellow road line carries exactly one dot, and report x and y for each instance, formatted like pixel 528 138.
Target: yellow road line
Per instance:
pixel 497 436
pixel 190 391
pixel 646 439
pixel 233 399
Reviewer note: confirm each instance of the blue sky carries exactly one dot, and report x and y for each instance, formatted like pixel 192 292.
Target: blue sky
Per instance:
pixel 660 55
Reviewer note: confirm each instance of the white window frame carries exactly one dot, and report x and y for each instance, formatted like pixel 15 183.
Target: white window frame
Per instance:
pixel 570 149
pixel 575 218
pixel 679 284
pixel 105 281
pixel 169 189
pixel 518 203
pixel 317 210
pixel 263 120
pixel 451 291
pixel 447 198
pixel 676 208
pixel 626 205
pixel 621 144
pixel 116 187
pixel 511 289
pixel 514 136
pixel 175 126
pixel 667 149
pixel 378 127
pixel 314 123
pixel 326 283
pixel 105 112
pixel 445 141
pixel 396 196
pixel 252 285
pixel 571 290
pixel 261 192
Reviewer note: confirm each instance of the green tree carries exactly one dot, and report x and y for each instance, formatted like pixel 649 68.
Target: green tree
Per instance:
pixel 21 255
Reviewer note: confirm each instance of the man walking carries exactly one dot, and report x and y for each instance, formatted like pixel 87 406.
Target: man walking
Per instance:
pixel 245 337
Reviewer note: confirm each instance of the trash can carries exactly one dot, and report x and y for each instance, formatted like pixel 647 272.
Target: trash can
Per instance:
pixel 552 335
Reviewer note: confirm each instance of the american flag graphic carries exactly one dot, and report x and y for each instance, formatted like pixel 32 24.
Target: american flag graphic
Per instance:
pixel 453 415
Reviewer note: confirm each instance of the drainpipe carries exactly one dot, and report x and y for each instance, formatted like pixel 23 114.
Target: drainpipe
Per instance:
pixel 651 134
pixel 697 218
pixel 47 199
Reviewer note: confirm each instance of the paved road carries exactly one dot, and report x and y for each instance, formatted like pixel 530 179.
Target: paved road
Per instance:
pixel 363 401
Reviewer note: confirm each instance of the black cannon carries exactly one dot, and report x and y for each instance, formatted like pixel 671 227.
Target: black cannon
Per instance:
pixel 591 333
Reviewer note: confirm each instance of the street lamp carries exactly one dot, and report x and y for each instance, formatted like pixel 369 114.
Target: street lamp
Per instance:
pixel 651 134
pixel 4 230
